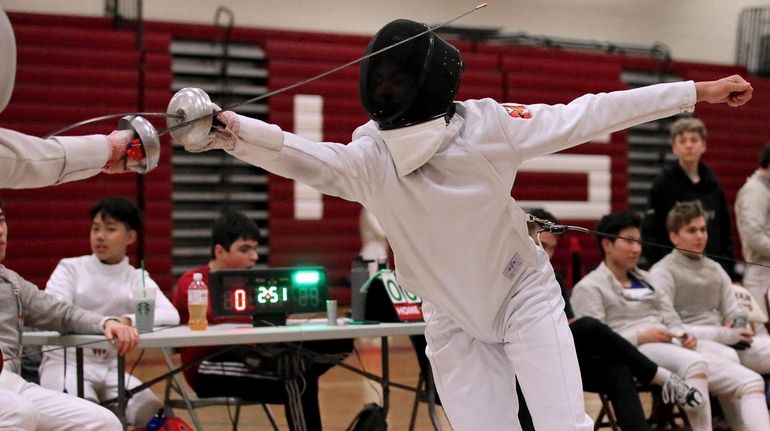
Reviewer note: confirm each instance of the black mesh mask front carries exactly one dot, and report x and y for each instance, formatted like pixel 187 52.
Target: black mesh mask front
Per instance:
pixel 411 83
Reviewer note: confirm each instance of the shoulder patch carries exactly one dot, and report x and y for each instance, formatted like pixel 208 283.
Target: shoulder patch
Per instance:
pixel 517 111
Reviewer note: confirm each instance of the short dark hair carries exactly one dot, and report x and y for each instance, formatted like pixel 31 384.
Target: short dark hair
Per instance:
pixel 611 224
pixel 119 209
pixel 764 156
pixel 2 205
pixel 231 226
pixel 542 214
pixel 683 213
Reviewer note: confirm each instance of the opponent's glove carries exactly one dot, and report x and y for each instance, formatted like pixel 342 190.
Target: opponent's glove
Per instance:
pixel 118 142
pixel 223 136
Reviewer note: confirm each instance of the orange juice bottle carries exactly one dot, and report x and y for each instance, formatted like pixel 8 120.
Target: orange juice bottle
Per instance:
pixel 197 303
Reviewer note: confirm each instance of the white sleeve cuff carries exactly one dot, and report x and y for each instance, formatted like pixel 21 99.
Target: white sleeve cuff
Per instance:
pixel 84 156
pixel 689 106
pixel 257 140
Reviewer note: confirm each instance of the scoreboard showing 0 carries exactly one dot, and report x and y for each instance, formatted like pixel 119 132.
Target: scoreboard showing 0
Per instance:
pixel 268 291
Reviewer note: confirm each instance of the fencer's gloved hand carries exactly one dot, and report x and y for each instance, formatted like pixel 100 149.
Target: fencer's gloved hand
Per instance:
pixel 223 136
pixel 118 142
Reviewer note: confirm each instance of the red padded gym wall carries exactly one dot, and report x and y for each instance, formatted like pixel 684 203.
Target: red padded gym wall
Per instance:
pixel 73 68
pixel 70 69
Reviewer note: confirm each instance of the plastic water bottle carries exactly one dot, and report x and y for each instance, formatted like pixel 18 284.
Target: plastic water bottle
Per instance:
pixel 197 303
pixel 359 273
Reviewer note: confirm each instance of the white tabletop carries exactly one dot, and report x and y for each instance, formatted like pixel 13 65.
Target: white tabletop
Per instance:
pixel 224 334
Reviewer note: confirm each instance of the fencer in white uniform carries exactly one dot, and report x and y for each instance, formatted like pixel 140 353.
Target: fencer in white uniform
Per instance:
pixel 28 161
pixel 701 292
pixel 107 289
pixel 103 282
pixel 27 406
pixel 752 217
pixel 438 176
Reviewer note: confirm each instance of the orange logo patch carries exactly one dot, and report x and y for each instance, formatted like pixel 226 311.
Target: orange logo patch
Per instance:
pixel 517 111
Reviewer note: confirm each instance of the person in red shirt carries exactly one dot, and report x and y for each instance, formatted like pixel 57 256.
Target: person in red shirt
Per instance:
pixel 274 373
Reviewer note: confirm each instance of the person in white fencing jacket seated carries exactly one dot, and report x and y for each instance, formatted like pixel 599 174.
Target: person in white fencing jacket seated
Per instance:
pixel 701 292
pixel 27 406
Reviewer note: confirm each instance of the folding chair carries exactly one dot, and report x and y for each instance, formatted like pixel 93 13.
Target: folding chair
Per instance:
pixel 425 393
pixel 606 412
pixel 664 415
pixel 191 404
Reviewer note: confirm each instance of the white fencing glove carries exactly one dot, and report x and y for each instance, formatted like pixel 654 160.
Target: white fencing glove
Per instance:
pixel 118 142
pixel 740 338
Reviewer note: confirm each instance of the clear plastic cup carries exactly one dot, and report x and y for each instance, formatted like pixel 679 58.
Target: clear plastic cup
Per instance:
pixel 144 308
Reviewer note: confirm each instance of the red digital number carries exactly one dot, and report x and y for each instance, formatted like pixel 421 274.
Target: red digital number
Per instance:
pixel 239 299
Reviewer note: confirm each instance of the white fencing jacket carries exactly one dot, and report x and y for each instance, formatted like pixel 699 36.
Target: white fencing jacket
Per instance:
pixel 29 162
pixel 106 289
pixel 459 240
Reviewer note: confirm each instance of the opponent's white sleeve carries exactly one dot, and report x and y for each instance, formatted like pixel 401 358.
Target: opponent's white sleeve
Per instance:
pixel 553 128
pixel 28 161
pixel 331 168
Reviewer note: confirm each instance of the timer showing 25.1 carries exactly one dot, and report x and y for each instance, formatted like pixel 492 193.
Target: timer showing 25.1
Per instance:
pixel 282 290
pixel 272 294
pixel 238 300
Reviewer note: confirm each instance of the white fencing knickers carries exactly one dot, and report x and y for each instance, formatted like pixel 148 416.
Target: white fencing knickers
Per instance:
pixel 27 406
pixel 476 380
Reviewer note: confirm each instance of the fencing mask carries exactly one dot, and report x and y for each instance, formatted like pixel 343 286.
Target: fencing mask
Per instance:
pixel 411 83
pixel 7 60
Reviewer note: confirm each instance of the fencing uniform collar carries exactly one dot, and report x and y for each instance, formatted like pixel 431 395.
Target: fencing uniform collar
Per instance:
pixel 411 147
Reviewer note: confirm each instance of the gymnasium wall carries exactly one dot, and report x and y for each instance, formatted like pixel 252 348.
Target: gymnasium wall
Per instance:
pixel 71 68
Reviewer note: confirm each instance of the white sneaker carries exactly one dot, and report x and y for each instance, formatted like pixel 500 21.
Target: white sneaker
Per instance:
pixel 677 390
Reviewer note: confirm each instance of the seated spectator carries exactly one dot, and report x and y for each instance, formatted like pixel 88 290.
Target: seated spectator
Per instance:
pixel 685 179
pixel 752 214
pixel 609 364
pixel 271 373
pixel 27 406
pixel 623 297
pixel 103 282
pixel 701 292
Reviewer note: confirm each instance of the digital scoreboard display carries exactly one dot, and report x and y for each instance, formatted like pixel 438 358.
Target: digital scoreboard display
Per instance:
pixel 267 291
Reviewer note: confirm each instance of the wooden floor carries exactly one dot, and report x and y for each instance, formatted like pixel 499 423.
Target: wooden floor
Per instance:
pixel 342 392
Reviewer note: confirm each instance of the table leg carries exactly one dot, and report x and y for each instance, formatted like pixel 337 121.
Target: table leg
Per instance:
pixel 385 380
pixel 430 388
pixel 188 404
pixel 122 400
pixel 79 371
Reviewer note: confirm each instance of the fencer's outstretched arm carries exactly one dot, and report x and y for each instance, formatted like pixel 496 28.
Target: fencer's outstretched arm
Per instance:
pixel 28 161
pixel 338 169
